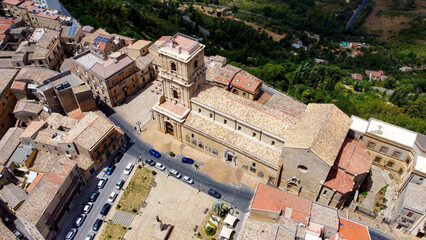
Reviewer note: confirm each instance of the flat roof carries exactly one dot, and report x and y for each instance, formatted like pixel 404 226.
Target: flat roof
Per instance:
pixel 420 164
pixel 359 124
pixel 392 132
pixel 415 197
pixel 324 215
pixel 140 44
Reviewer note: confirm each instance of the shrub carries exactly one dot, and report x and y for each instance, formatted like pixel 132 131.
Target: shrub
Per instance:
pixel 196 165
pixel 210 231
pixel 139 166
pixel 198 234
pixel 109 236
pixel 237 212
pixel 172 154
pixel 124 227
pixel 134 210
pixel 154 173
pixel 118 206
pixel 390 176
pixel 384 200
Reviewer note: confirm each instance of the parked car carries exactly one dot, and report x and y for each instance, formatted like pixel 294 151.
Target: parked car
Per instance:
pixel 18 234
pixel 160 166
pixel 97 224
pixel 110 169
pixel 118 156
pixel 94 196
pixel 175 173
pixel 6 220
pixel 112 197
pixel 214 193
pixel 71 234
pixel 119 184
pixel 187 160
pixel 80 220
pixel 150 162
pixel 105 209
pixel 128 169
pixel 188 180
pixel 87 207
pixel 90 236
pixel 154 153
pixel 102 182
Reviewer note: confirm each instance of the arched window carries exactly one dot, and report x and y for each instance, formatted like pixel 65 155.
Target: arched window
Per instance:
pixel 175 94
pixel 195 64
pixel 173 66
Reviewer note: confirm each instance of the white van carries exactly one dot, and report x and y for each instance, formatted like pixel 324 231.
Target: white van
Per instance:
pixel 175 173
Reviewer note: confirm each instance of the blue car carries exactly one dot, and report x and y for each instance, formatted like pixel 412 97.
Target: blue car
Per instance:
pixel 154 153
pixel 187 160
pixel 110 169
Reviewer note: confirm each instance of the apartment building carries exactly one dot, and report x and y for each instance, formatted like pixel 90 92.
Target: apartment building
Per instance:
pixel 48 51
pixel 71 36
pixel 410 214
pixel 49 200
pixel 104 43
pixel 89 141
pixel 35 14
pixel 391 147
pixel 111 80
pixel 7 99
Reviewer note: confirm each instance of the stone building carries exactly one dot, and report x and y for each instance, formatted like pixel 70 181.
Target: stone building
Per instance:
pixel 7 99
pixel 70 37
pixel 112 80
pixel 391 148
pixel 103 43
pixel 48 51
pixel 410 214
pixel 43 209
pixel 281 141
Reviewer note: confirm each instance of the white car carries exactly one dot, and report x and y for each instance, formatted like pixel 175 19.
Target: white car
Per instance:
pixel 88 207
pixel 128 169
pixel 188 180
pixel 102 182
pixel 160 166
pixel 112 197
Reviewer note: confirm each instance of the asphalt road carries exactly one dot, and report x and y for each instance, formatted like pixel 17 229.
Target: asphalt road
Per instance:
pixel 15 224
pixel 238 196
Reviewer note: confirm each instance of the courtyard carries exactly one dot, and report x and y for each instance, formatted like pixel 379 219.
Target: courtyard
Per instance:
pixel 176 205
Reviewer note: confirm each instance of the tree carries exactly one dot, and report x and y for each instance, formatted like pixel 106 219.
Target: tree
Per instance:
pixel 390 83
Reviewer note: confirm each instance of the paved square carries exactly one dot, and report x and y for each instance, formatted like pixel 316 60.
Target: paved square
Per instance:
pixel 138 106
pixel 175 203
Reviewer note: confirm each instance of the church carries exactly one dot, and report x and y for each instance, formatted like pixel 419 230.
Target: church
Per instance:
pixel 233 116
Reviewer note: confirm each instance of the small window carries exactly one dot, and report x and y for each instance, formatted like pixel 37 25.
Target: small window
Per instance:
pixel 215 152
pixel 273 143
pixel 389 164
pixel 69 146
pixel 207 148
pixel 244 166
pixel 68 153
pixel 200 145
pixel 271 180
pixel 254 134
pixel 396 154
pixel 377 159
pixel 224 121
pixel 195 64
pixel 400 171
pixel 239 128
pixel 211 115
pixel 173 66
pixel 384 149
pixel 187 138
pixel 199 110
pixel 260 174
pixel 408 161
pixel 324 193
pixel 302 168
pixel 409 214
pixel 370 145
pixel 192 135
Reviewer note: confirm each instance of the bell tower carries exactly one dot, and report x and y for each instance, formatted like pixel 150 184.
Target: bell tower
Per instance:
pixel 182 61
pixel 182 71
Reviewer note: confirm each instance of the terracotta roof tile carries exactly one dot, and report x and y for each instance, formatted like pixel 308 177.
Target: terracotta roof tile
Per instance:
pixel 353 157
pixel 12 2
pixel 340 181
pixel 272 199
pixel 34 183
pixel 247 82
pixel 350 230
